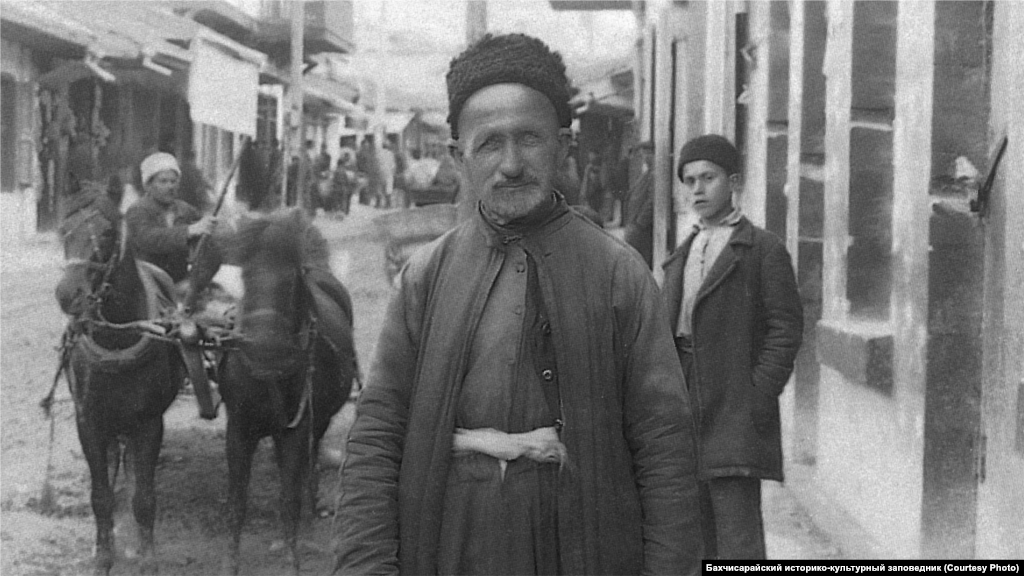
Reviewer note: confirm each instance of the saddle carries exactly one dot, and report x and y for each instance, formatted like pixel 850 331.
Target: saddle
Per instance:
pixel 159 289
pixel 332 307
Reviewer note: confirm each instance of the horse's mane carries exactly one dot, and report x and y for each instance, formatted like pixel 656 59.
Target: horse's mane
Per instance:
pixel 93 196
pixel 286 235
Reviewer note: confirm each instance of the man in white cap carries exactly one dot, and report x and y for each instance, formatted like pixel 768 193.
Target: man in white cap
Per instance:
pixel 161 227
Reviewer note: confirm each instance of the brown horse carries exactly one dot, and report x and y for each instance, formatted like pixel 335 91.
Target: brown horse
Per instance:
pixel 122 377
pixel 292 368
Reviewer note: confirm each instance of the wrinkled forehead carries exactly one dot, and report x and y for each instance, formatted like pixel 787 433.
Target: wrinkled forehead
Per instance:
pixel 506 107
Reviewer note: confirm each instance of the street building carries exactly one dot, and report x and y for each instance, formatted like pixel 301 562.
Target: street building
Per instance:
pixel 871 133
pixel 91 88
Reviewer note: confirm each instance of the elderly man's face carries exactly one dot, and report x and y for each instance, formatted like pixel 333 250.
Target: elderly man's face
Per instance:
pixel 510 148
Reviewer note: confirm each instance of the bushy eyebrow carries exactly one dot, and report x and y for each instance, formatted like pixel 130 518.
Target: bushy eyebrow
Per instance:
pixel 487 134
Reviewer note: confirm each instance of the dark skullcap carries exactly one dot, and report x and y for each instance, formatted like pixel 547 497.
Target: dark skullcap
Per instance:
pixel 508 58
pixel 713 148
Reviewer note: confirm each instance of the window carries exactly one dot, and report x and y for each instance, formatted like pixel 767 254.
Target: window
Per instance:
pixel 8 133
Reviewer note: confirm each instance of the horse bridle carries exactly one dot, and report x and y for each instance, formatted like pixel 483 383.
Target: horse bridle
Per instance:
pixel 307 331
pixel 95 262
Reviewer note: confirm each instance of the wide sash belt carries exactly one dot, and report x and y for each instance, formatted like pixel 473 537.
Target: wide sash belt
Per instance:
pixel 540 445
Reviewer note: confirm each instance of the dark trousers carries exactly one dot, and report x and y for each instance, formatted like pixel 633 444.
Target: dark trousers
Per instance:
pixel 730 507
pixel 730 511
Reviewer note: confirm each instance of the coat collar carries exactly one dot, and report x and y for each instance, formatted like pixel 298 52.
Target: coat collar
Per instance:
pixel 743 234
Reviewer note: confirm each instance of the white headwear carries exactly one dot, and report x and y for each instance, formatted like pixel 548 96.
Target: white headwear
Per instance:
pixel 157 163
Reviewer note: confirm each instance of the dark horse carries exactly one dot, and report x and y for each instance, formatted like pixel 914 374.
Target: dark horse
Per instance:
pixel 122 376
pixel 292 368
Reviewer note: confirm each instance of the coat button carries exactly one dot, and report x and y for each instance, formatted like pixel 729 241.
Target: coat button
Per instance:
pixel 546 328
pixel 520 267
pixel 548 375
pixel 518 310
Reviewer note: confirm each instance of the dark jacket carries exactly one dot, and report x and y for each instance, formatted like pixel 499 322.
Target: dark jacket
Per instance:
pixel 626 499
pixel 638 216
pixel 154 241
pixel 747 328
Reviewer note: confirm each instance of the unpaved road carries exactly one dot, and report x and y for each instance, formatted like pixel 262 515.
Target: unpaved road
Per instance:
pixel 192 478
pixel 191 529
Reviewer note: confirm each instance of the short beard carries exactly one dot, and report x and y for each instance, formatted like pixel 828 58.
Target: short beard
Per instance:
pixel 507 204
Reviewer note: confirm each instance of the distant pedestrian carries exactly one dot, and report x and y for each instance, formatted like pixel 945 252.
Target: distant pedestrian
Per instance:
pixel 638 206
pixel 369 166
pixel 732 297
pixel 569 178
pixel 592 186
pixel 388 167
pixel 323 161
pixel 343 185
pixel 194 188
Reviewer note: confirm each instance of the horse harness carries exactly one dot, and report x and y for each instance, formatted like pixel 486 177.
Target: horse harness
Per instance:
pixel 79 329
pixel 302 360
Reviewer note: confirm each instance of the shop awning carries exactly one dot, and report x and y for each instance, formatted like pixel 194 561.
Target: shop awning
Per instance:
pixel 336 94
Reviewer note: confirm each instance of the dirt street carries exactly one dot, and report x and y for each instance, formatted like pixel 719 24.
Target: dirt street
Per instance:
pixel 191 528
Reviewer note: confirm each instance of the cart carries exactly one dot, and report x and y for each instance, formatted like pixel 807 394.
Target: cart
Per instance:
pixel 407 230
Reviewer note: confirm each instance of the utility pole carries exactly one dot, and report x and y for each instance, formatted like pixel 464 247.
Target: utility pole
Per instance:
pixel 380 104
pixel 476 20
pixel 294 141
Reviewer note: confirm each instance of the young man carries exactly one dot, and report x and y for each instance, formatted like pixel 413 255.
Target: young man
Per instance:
pixel 732 298
pixel 525 413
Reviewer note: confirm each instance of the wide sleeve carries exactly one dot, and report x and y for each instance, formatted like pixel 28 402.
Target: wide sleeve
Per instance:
pixel 783 320
pixel 658 427
pixel 150 236
pixel 368 538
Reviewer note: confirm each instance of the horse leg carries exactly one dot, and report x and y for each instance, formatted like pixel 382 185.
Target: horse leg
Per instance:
pixel 313 479
pixel 121 466
pixel 145 449
pixel 94 447
pixel 291 448
pixel 240 449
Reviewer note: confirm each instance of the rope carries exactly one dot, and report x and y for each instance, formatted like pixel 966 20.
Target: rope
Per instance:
pixel 307 387
pixel 66 344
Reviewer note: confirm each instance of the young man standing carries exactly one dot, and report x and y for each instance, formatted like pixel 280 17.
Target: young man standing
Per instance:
pixel 732 298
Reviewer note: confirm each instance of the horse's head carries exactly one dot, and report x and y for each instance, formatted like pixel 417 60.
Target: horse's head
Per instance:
pixel 272 250
pixel 91 236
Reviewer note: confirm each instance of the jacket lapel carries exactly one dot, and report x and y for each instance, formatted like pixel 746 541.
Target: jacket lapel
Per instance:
pixel 675 266
pixel 727 260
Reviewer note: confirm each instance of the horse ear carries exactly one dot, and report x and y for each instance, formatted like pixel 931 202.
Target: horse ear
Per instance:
pixel 115 189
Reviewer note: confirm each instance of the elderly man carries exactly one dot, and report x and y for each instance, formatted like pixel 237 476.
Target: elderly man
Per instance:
pixel 732 297
pixel 525 413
